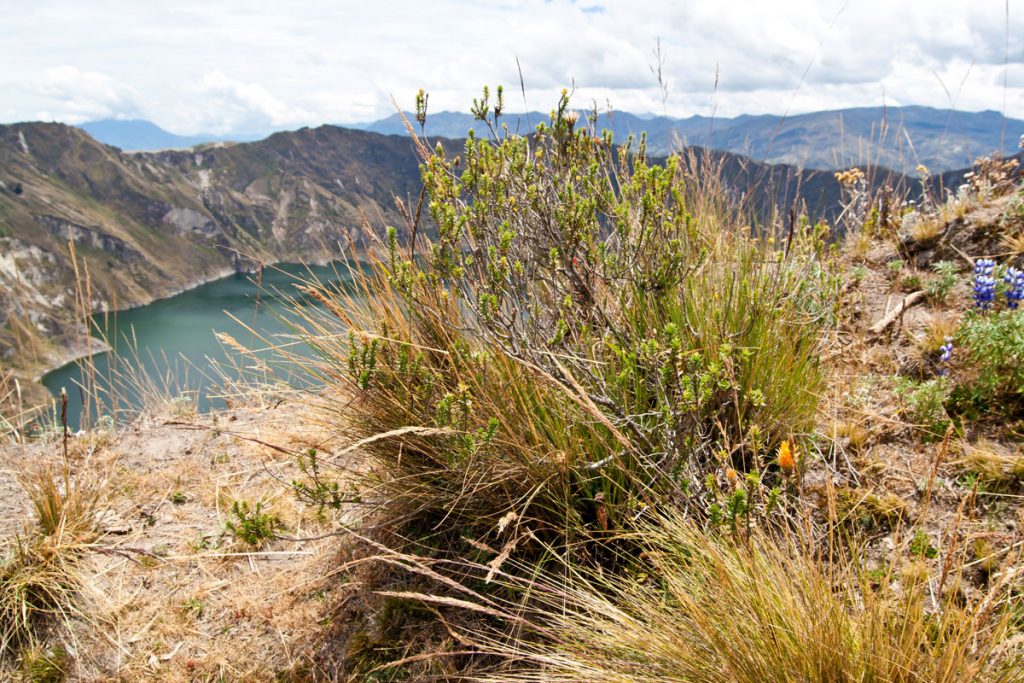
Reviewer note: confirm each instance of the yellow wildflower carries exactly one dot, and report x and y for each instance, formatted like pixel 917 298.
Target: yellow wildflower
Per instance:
pixel 787 461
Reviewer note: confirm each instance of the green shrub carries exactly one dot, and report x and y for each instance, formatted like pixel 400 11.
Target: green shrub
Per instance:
pixel 921 546
pixel 938 288
pixel 250 524
pixel 991 381
pixel 589 335
pixel 925 402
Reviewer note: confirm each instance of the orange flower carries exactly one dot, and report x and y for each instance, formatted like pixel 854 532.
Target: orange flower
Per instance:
pixel 786 459
pixel 732 475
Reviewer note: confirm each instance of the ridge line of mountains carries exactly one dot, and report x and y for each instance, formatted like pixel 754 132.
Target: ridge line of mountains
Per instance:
pixel 146 225
pixel 899 138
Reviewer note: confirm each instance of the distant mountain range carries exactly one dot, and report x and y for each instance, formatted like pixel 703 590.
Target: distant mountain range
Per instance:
pixel 898 138
pixel 133 135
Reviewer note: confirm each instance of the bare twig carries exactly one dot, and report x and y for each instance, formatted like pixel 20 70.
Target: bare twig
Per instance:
pixel 893 315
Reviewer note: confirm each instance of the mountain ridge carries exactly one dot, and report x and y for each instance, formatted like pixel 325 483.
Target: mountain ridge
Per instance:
pixel 900 138
pixel 940 139
pixel 140 135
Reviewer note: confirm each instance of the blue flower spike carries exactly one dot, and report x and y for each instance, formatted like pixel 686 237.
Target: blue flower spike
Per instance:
pixel 1014 279
pixel 945 353
pixel 984 283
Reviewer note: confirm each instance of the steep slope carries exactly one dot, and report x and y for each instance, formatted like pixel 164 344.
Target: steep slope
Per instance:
pixel 299 192
pixel 148 225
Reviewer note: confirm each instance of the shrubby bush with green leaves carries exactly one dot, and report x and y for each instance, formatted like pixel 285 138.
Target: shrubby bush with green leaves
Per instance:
pixel 578 393
pixel 992 378
pixel 588 335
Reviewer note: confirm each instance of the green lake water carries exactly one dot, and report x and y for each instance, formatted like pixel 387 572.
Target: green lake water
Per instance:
pixel 172 341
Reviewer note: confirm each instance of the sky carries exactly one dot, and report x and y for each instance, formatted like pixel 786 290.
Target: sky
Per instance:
pixel 227 66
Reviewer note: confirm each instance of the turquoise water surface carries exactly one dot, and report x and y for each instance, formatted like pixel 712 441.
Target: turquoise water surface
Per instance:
pixel 172 342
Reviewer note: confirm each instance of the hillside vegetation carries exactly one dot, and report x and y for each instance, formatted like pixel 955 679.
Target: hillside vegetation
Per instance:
pixel 607 420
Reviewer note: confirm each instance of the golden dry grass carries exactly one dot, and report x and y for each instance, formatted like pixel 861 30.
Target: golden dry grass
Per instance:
pixel 711 609
pixel 153 587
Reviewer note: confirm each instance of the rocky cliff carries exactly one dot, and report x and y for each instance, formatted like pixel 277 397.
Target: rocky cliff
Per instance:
pixel 145 226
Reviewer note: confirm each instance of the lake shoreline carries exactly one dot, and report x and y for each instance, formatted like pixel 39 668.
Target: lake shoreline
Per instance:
pixel 61 358
pixel 172 340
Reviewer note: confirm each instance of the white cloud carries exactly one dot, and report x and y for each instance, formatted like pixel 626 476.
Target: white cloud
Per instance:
pixel 231 104
pixel 83 95
pixel 238 65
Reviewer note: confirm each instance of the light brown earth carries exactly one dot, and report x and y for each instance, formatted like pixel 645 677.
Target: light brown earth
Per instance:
pixel 170 594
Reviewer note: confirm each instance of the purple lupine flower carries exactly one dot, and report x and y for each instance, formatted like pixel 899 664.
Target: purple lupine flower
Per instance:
pixel 946 350
pixel 984 266
pixel 945 353
pixel 984 283
pixel 1014 279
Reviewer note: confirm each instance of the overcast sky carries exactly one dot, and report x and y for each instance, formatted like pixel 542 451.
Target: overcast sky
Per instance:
pixel 253 65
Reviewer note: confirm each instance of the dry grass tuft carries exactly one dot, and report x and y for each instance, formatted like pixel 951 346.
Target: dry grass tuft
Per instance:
pixel 713 609
pixel 64 505
pixel 939 328
pixel 1014 244
pixel 855 435
pixel 926 229
pixel 870 508
pixel 993 464
pixel 40 577
pixel 39 587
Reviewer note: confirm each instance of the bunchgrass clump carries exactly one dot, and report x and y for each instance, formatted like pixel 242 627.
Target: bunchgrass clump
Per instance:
pixel 712 608
pixel 39 587
pixel 64 504
pixel 40 584
pixel 995 467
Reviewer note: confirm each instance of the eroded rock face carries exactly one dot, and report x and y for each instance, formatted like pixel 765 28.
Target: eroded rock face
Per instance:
pixel 189 221
pixel 89 237
pixel 33 303
pixel 25 267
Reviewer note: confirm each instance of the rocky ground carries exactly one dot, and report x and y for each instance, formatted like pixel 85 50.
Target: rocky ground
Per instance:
pixel 169 593
pixel 939 499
